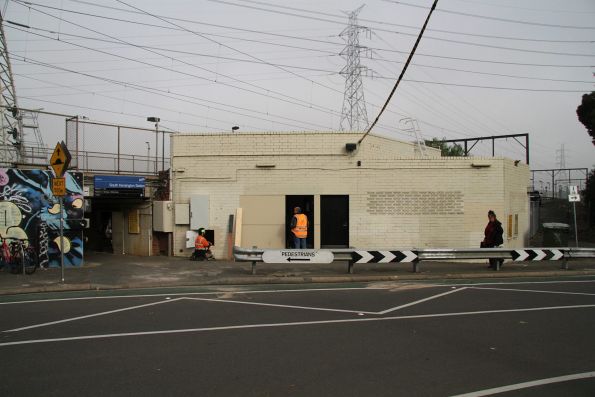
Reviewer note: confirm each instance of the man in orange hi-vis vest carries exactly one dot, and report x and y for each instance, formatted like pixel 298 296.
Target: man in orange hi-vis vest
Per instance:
pixel 299 228
pixel 202 247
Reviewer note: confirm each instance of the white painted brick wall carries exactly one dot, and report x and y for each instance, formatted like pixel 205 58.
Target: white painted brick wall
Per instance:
pixel 224 167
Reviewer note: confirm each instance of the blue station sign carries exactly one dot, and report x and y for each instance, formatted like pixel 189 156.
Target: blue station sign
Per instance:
pixel 119 186
pixel 119 182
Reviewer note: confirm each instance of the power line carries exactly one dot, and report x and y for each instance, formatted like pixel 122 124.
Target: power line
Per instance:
pixel 402 33
pixel 415 27
pixel 293 99
pixel 302 67
pixel 492 87
pixel 487 73
pixel 311 40
pixel 482 3
pixel 322 109
pixel 402 72
pixel 495 18
pixel 227 46
pixel 267 92
pixel 168 93
pixel 127 100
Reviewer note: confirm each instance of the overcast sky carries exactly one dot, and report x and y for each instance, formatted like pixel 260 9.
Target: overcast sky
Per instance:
pixel 273 65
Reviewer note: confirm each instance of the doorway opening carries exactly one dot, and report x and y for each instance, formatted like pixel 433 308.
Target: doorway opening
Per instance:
pixel 306 203
pixel 334 221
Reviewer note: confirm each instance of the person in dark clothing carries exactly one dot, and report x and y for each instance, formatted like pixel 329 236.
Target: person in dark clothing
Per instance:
pixel 493 237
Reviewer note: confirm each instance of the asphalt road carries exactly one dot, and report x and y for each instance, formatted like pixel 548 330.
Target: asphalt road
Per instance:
pixel 515 338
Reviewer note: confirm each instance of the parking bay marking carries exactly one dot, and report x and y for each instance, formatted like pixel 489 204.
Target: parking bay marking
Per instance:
pixel 525 385
pixel 292 324
pixel 92 315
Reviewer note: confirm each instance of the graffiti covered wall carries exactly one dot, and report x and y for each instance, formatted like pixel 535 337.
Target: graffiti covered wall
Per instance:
pixel 29 210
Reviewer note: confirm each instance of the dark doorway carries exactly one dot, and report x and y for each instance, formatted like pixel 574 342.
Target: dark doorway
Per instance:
pixel 306 203
pixel 334 221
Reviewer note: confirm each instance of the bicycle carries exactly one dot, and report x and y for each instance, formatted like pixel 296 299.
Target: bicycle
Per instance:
pixel 18 256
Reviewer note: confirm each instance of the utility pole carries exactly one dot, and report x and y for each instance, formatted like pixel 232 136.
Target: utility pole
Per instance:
pixel 354 116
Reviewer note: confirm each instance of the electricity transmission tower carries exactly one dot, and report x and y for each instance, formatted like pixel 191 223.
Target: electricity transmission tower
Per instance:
pixel 14 146
pixel 12 123
pixel 561 157
pixel 412 126
pixel 354 116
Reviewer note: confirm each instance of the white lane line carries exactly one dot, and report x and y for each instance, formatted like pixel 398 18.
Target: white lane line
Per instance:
pixel 66 320
pixel 279 305
pixel 516 282
pixel 191 293
pixel 525 385
pixel 534 290
pixel 292 324
pixel 392 309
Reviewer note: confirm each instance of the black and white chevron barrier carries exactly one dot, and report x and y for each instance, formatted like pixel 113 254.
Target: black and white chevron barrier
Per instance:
pixel 537 255
pixel 384 256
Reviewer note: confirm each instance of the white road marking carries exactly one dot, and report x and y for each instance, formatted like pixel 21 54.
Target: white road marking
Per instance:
pixel 66 320
pixel 525 385
pixel 518 282
pixel 534 290
pixel 190 293
pixel 279 305
pixel 392 309
pixel 292 324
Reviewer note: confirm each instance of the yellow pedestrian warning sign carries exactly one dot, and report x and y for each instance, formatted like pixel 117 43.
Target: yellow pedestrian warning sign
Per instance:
pixel 60 159
pixel 59 186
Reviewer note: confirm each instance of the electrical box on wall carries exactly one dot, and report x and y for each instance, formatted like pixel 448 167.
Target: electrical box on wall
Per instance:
pixel 182 215
pixel 163 220
pixel 199 212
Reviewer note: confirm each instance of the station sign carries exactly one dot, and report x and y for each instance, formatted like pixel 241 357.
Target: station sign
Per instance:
pixel 119 186
pixel 297 256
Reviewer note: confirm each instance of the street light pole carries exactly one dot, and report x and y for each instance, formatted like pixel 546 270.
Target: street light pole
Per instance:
pixel 156 120
pixel 148 155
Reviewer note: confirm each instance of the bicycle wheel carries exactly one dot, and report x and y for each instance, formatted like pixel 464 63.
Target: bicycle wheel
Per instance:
pixel 30 261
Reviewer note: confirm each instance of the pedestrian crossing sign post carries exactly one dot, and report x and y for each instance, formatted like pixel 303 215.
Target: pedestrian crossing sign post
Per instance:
pixel 59 162
pixel 60 159
pixel 574 197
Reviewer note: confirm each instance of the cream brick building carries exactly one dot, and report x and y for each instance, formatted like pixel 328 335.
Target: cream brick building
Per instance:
pixel 381 195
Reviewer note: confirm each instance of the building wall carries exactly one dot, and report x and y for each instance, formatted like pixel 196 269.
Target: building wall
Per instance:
pixel 396 200
pixel 29 210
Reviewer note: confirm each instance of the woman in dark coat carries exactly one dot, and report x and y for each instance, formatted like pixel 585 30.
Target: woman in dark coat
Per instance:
pixel 493 236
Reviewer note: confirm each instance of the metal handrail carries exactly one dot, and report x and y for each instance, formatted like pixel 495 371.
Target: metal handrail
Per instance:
pixel 345 254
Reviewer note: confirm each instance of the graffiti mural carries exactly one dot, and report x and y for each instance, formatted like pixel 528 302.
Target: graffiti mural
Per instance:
pixel 29 210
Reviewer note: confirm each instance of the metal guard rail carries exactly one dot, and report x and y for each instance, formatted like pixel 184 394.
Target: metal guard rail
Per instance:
pixel 345 254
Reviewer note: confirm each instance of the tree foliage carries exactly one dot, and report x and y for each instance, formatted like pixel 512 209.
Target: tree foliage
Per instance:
pixel 446 150
pixel 586 113
pixel 589 194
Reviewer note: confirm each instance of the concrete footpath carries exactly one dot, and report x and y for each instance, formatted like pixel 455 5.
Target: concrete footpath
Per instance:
pixel 107 271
